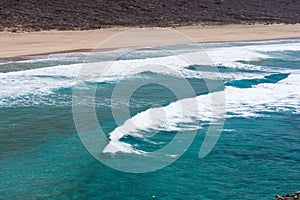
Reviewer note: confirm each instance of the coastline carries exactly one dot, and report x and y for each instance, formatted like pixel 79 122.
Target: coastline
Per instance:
pixel 14 46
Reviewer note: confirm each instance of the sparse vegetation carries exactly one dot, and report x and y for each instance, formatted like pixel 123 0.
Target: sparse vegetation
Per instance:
pixel 94 14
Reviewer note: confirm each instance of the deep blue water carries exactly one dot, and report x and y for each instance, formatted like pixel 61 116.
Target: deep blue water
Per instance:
pixel 256 157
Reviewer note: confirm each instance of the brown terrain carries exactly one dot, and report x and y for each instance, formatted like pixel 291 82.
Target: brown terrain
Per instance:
pixel 32 15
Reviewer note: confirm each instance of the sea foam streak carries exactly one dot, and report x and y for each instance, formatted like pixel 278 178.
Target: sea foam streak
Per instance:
pixel 43 80
pixel 248 102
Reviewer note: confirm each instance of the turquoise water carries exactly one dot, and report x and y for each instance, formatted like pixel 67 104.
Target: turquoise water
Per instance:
pixel 256 157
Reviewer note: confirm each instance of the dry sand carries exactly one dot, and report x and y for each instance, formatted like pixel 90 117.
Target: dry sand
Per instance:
pixel 47 42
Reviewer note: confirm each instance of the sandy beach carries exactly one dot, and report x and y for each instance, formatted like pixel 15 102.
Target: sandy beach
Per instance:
pixel 47 42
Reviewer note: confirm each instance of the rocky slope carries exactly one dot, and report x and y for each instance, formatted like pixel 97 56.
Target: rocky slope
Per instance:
pixel 94 14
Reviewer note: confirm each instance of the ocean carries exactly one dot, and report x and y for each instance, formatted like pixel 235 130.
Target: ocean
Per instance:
pixel 50 123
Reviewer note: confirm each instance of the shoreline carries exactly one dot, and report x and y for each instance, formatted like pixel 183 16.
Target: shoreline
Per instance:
pixel 16 46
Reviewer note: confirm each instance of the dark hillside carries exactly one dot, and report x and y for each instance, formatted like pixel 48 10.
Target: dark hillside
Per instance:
pixel 94 14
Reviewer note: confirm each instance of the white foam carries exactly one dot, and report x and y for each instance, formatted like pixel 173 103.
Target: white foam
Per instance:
pixel 251 52
pixel 37 81
pixel 151 120
pixel 42 81
pixel 264 97
pixel 245 103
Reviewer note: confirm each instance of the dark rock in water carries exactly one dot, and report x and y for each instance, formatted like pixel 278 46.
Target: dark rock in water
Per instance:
pixel 295 196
